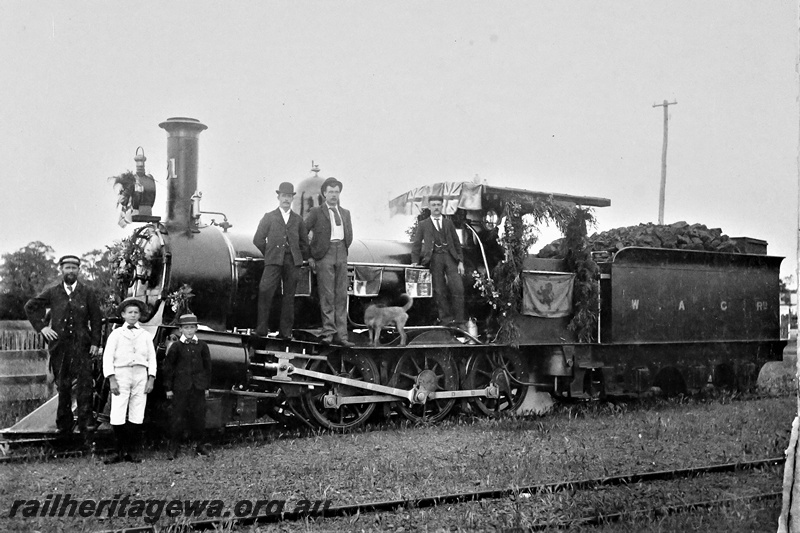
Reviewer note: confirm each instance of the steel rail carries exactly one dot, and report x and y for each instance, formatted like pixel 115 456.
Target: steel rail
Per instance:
pixel 53 447
pixel 655 512
pixel 465 497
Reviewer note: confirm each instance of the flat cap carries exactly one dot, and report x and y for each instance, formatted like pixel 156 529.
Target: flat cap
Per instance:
pixel 70 260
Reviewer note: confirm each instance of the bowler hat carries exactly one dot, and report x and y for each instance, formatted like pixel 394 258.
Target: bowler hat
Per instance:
pixel 333 182
pixel 69 260
pixel 187 320
pixel 286 188
pixel 435 198
pixel 128 302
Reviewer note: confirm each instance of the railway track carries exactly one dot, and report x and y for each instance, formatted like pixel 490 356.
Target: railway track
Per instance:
pixel 573 486
pixel 51 447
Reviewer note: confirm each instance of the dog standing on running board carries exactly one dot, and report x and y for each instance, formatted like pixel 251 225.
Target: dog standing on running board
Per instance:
pixel 377 318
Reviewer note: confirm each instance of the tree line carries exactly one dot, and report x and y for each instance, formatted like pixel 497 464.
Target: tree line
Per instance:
pixel 25 272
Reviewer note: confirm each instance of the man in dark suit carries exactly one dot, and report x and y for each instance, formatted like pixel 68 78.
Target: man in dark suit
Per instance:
pixel 282 238
pixel 73 338
pixel 436 246
pixel 331 238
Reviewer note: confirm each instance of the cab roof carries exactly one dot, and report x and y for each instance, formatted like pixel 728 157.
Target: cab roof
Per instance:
pixel 476 196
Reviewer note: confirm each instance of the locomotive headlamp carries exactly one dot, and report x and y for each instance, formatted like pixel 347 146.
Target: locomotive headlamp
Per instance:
pixel 140 159
pixel 490 219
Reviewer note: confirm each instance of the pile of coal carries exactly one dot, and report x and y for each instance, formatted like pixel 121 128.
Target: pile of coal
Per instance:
pixel 680 235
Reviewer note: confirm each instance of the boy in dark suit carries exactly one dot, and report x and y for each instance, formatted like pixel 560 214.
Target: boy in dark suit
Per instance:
pixel 436 245
pixel 331 238
pixel 282 238
pixel 187 375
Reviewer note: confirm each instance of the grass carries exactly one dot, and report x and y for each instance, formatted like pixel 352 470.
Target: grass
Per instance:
pixel 13 411
pixel 402 460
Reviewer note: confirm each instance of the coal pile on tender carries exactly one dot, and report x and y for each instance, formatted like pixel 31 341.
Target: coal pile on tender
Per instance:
pixel 679 235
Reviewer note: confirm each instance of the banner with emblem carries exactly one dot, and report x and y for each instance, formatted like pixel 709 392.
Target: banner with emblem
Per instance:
pixel 547 295
pixel 419 283
pixel 367 280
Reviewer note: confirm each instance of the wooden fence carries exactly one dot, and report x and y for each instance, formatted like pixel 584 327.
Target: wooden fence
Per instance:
pixel 23 364
pixel 21 340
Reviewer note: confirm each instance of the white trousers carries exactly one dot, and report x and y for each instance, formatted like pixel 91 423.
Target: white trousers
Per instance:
pixel 130 401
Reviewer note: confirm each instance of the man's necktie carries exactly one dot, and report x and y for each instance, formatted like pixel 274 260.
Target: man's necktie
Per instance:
pixel 336 216
pixel 191 341
pixel 438 226
pixel 69 290
pixel 131 327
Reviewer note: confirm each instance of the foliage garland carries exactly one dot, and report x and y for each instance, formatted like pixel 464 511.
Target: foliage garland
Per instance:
pixel 179 301
pixel 131 261
pixel 504 291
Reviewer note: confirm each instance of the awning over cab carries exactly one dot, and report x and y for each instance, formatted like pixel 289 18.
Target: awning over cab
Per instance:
pixel 472 196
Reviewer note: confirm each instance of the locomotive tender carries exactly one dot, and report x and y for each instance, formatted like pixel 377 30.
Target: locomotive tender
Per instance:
pixel 673 319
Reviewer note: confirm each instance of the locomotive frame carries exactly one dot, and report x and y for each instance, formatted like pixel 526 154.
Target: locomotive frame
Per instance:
pixel 672 319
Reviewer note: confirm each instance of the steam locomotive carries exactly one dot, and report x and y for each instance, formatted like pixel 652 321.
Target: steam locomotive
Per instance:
pixel 675 320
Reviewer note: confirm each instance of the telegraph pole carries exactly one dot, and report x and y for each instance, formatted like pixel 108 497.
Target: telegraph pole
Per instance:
pixel 663 163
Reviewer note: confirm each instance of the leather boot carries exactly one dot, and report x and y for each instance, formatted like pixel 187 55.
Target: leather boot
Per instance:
pixel 119 437
pixel 134 436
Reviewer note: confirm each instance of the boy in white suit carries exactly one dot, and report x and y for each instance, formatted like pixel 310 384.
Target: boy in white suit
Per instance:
pixel 129 363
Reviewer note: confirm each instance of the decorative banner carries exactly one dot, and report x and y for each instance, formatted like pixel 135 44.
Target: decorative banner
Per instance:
pixel 367 280
pixel 471 194
pixel 547 295
pixel 456 194
pixel 419 283
pixel 303 282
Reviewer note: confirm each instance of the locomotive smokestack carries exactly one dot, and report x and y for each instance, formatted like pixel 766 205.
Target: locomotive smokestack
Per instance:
pixel 182 156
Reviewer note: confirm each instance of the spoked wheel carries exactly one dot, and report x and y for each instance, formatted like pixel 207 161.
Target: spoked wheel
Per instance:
pixel 433 367
pixel 289 412
pixel 480 369
pixel 347 365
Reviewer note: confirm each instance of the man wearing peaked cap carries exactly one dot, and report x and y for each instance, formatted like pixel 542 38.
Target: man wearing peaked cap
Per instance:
pixel 73 339
pixel 283 240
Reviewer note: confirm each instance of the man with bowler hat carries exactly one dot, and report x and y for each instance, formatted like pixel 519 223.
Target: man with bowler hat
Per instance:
pixel 332 236
pixel 282 238
pixel 436 245
pixel 73 338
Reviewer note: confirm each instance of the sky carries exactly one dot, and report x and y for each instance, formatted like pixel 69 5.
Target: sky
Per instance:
pixel 388 96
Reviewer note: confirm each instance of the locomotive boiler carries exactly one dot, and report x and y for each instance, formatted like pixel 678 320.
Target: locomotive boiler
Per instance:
pixel 673 320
